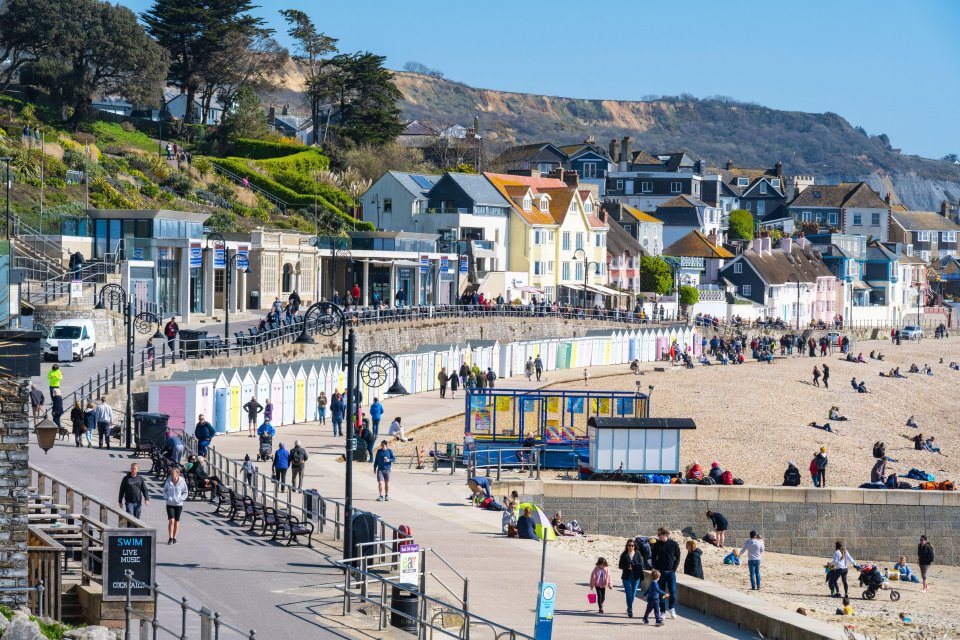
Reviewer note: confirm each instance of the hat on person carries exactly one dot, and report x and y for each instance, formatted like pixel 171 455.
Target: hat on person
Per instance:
pixel 791 463
pixel 714 464
pixel 823 449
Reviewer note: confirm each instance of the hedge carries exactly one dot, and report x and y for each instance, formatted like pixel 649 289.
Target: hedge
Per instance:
pixel 264 149
pixel 239 167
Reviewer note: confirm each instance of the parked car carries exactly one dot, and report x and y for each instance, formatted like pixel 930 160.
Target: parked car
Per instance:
pixel 834 338
pixel 911 332
pixel 81 334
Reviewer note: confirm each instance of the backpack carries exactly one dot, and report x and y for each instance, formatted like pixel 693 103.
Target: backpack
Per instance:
pixel 491 376
pixel 726 478
pixel 904 485
pixel 642 545
pixel 892 481
pixel 929 486
pixel 879 450
pixel 738 481
pixel 708 480
pixel 296 456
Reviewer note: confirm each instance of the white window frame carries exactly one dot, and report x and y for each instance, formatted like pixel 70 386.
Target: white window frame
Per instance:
pixel 579 243
pixel 742 182
pixel 527 203
pixel 738 267
pixel 746 290
pixel 858 219
pixel 676 187
pixel 831 217
pixel 565 240
pixel 619 185
pixel 544 203
pixel 763 188
pixel 775 182
pixel 875 219
pixel 589 170
pixel 923 236
pixel 646 186
pixel 565 271
pixel 588 206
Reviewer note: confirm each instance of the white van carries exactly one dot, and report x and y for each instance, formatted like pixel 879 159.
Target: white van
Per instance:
pixel 80 333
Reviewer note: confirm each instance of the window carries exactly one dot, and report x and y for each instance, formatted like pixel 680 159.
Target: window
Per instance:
pixel 628 228
pixel 565 274
pixel 388 205
pixel 598 239
pixel 832 218
pixel 578 271
pixel 761 207
pixel 544 203
pixel 747 290
pixel 527 203
pixel 550 266
pixel 538 267
pixel 738 267
pixel 945 252
pixel 589 170
pixel 742 182
pixel 565 240
pixel 676 187
pixel 579 240
pixel 619 185
pixel 909 249
pixel 875 219
pixel 775 182
pixel 763 188
pixel 573 205
pixel 923 236
pixel 588 206
pixel 948 236
pixel 630 185
pixel 925 255
pixel 545 167
pixel 857 219
pixel 551 236
pixel 646 187
pixel 816 194
pixel 747 205
pixel 539 236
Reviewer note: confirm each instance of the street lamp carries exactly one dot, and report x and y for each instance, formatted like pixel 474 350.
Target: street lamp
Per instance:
pixel 796 277
pixel 580 254
pixel 374 369
pixel 142 322
pixel 46 431
pixel 239 262
pixel 337 248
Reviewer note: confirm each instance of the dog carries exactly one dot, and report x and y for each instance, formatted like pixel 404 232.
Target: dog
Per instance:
pixel 62 433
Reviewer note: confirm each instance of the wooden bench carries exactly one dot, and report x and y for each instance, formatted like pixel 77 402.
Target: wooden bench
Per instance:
pixel 270 521
pixel 258 516
pixel 247 509
pixel 236 505
pixel 290 528
pixel 223 498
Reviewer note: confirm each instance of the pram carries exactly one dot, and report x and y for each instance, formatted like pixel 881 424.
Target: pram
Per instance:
pixel 266 448
pixel 873 580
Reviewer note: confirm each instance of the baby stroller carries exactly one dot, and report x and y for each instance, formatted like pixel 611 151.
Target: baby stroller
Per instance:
pixel 266 448
pixel 873 580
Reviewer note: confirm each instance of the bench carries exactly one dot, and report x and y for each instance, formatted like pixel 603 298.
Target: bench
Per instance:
pixel 290 528
pixel 259 515
pixel 223 499
pixel 248 509
pixel 270 521
pixel 196 490
pixel 236 505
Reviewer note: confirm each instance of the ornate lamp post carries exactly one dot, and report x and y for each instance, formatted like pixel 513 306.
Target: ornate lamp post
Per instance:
pixel 580 254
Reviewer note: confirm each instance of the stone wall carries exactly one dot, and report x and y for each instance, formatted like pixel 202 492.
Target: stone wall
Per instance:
pixel 14 482
pixel 877 525
pixel 107 324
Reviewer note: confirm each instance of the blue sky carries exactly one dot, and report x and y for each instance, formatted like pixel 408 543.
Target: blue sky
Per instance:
pixel 890 67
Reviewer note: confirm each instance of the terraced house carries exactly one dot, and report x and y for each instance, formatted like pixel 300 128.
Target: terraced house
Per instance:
pixel 762 192
pixel 933 235
pixel 557 240
pixel 849 207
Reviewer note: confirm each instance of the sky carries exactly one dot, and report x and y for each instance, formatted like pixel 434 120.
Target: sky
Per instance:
pixel 890 67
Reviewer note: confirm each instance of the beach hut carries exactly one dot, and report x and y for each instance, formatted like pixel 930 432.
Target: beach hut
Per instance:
pixel 221 404
pixel 276 394
pixel 236 388
pixel 312 392
pixel 300 395
pixel 248 389
pixel 289 395
pixel 636 445
pixel 263 386
pixel 183 397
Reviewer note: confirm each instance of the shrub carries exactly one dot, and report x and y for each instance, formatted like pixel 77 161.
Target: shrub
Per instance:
pixel 203 166
pixel 56 183
pixel 263 149
pixel 113 166
pixel 149 189
pixel 180 183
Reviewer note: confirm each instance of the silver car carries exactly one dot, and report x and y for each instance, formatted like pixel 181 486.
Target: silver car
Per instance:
pixel 911 332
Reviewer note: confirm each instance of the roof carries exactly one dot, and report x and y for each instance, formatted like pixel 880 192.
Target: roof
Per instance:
pixel 684 211
pixel 417 128
pixel 525 151
pixel 777 266
pixel 573 150
pixel 924 221
pixel 478 188
pixel 845 194
pixel 641 423
pixel 297 123
pixel 640 215
pixel 620 243
pixel 644 158
pixel 505 184
pixel 696 245
pixel 418 184
pixel 683 201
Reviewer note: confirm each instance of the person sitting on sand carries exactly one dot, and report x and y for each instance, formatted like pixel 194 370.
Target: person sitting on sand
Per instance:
pixel 955 366
pixel 791 477
pixel 835 414
pixel 913 368
pixel 904 618
pixel 860 358
pixel 850 358
pixel 859 387
pixel 880 356
pixel 732 558
pixel 912 423
pixel 847 609
pixel 927 370
pixel 826 426
pixel 897 374
pixel 928 445
pixel 906 575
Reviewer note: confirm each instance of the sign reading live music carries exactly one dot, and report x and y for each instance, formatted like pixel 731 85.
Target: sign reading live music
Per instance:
pixel 133 550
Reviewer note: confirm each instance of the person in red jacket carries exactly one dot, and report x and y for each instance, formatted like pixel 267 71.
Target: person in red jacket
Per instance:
pixel 814 471
pixel 356 294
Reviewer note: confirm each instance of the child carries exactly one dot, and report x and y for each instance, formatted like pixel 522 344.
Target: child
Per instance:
pixel 904 618
pixel 248 469
pixel 601 580
pixel 732 558
pixel 847 610
pixel 509 523
pixel 652 595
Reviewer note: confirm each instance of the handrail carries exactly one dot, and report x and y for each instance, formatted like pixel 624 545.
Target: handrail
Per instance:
pixel 281 204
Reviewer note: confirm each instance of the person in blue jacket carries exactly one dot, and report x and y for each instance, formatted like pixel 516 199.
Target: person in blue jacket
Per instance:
pixel 526 529
pixel 281 462
pixel 376 412
pixel 382 464
pixel 204 433
pixel 337 409
pixel 266 429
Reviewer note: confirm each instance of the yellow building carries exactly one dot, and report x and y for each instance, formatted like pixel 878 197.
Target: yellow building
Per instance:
pixel 555 234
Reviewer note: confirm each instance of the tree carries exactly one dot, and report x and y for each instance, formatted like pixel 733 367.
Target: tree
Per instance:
pixel 422 69
pixel 195 32
pixel 98 48
pixel 741 225
pixel 242 60
pixel 24 38
pixel 247 120
pixel 689 295
pixel 314 46
pixel 655 275
pixel 363 98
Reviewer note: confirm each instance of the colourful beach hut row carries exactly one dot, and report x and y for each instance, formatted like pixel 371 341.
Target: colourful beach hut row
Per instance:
pixel 220 394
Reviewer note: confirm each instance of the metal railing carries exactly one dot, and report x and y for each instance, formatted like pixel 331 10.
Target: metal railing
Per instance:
pixel 281 204
pixel 45 560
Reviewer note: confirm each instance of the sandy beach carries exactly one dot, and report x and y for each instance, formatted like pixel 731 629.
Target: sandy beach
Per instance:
pixel 797 581
pixel 754 418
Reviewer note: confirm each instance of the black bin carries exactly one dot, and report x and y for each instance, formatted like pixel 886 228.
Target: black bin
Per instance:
pixel 151 427
pixel 193 343
pixel 254 301
pixel 404 600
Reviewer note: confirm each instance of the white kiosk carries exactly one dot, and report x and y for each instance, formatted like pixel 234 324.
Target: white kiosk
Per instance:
pixel 636 445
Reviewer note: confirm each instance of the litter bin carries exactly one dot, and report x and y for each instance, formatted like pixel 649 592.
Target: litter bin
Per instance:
pixel 193 343
pixel 404 603
pixel 254 301
pixel 151 427
pixel 451 450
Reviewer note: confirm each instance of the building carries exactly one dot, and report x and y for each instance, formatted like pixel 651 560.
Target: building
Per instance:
pixel 791 281
pixel 299 128
pixel 697 258
pixel 933 235
pixel 623 259
pixel 645 181
pixel 683 214
pixel 418 135
pixel 589 160
pixel 845 256
pixel 644 228
pixel 849 207
pixel 762 192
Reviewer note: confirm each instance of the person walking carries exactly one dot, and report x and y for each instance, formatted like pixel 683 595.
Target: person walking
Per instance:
pixel 56 410
pixel 600 581
pixel 826 377
pixel 754 549
pixel 816 376
pixel 36 401
pixel 692 564
pixel 268 411
pixel 720 525
pixel 103 415
pixel 842 561
pixel 538 366
pixel 376 413
pixel 528 368
pixel 90 421
pixel 924 559
pixel 454 385
pixel 298 461
pixel 133 491
pixel 170 330
pixel 631 566
pixel 820 480
pixel 204 433
pixel 253 409
pixel 369 439
pixel 322 408
pixel 78 423
pixel 174 495
pixel 281 462
pixel 382 464
pixel 337 409
pixel 54 378
pixel 442 381
pixel 666 559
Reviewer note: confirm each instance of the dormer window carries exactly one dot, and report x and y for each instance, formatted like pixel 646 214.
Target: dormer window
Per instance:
pixel 544 203
pixel 763 188
pixel 775 182
pixel 588 206
pixel 573 205
pixel 816 194
pixel 527 203
pixel 742 182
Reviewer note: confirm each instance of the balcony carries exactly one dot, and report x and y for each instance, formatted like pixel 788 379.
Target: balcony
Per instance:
pixel 691 263
pixel 449 210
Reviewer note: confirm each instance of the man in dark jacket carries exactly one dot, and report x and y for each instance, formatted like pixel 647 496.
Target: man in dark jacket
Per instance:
pixel 791 477
pixel 924 559
pixel 204 433
pixel 133 491
pixel 720 525
pixel 298 460
pixel 666 559
pixel 252 408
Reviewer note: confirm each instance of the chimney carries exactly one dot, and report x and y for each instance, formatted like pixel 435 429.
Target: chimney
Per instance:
pixel 945 209
pixel 765 243
pixel 571 178
pixel 757 245
pixel 802 242
pixel 590 140
pixel 625 149
pixel 888 199
pixel 614 150
pixel 778 168
pixel 786 243
pixel 272 115
pixel 729 165
pixel 286 109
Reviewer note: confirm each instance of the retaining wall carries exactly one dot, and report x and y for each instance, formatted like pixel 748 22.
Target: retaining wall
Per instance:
pixel 877 525
pixel 108 324
pixel 14 483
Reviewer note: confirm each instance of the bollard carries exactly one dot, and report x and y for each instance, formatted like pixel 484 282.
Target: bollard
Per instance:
pixel 206 627
pixel 183 619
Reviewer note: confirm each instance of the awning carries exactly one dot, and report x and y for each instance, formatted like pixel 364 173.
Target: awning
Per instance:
pixel 876 284
pixel 525 289
pixel 862 286
pixel 606 291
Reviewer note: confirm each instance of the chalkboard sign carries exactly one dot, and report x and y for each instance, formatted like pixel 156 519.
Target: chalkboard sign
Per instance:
pixel 129 550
